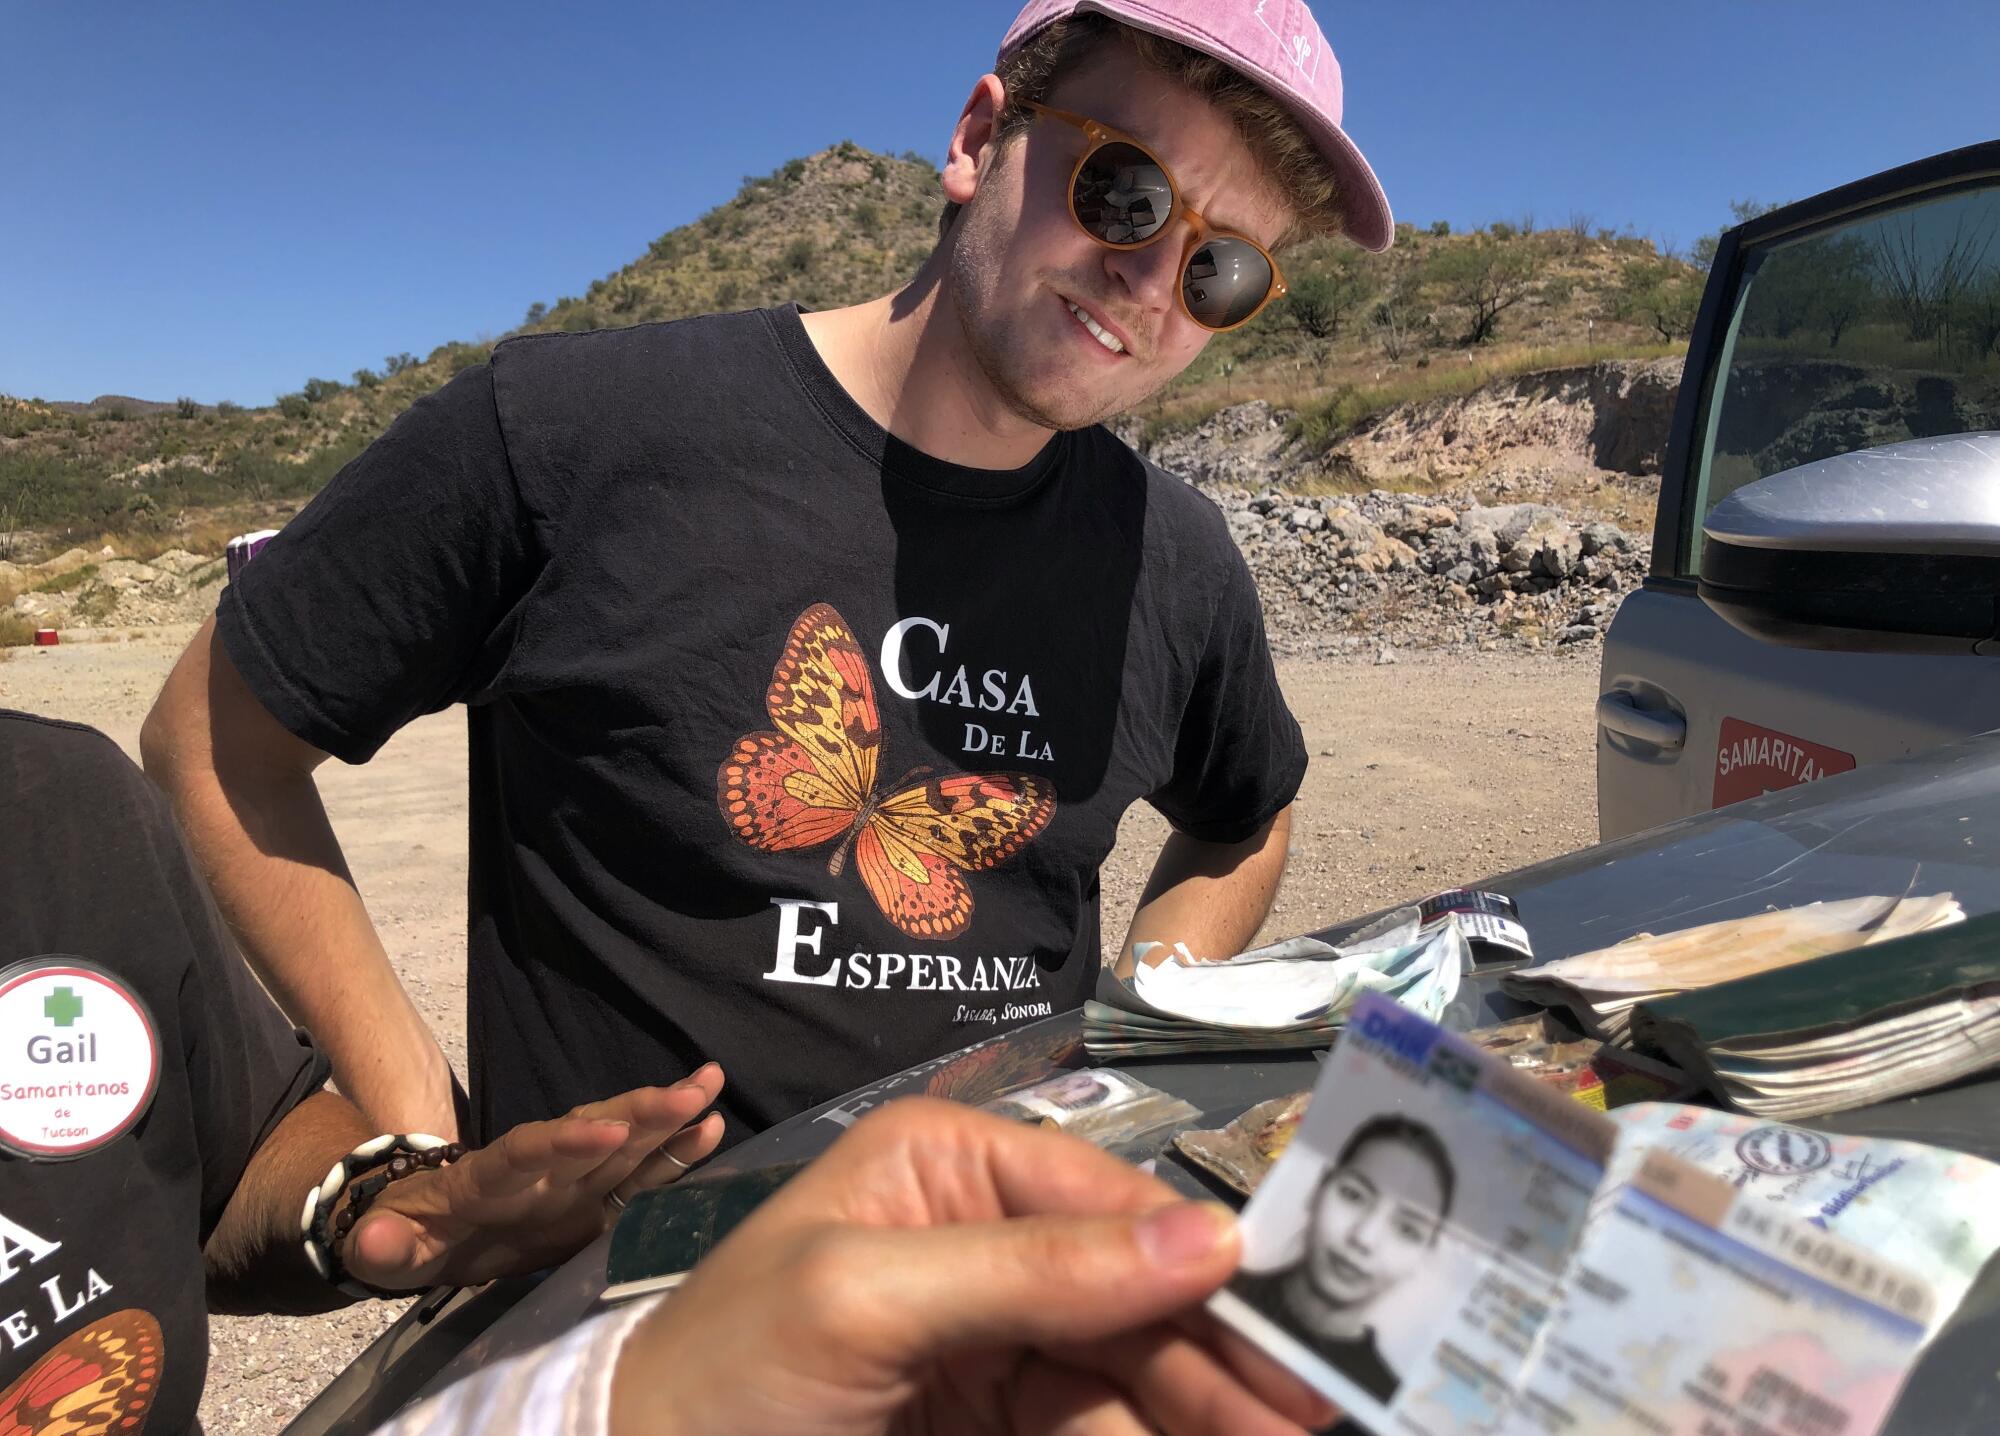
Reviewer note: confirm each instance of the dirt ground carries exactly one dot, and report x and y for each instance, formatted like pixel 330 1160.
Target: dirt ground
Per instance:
pixel 1439 769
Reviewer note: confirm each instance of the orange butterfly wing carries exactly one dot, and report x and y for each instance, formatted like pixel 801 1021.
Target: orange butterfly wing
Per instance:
pixel 806 783
pixel 918 841
pixel 823 699
pixel 101 1380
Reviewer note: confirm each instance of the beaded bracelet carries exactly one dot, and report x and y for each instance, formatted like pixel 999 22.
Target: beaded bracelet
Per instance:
pixel 388 1159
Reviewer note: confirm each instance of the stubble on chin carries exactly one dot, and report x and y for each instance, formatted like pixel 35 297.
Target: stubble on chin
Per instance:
pixel 1006 354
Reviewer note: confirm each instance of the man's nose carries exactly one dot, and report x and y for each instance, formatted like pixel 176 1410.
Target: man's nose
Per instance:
pixel 1150 274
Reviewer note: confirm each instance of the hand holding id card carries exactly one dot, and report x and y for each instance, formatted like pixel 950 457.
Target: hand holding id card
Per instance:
pixel 1437 1253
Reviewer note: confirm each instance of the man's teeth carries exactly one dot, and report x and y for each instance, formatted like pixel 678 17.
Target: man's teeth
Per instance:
pixel 1098 331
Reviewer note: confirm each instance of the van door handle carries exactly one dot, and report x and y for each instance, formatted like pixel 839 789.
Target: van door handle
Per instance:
pixel 1617 712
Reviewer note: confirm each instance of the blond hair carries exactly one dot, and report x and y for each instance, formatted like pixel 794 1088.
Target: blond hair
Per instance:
pixel 1287 155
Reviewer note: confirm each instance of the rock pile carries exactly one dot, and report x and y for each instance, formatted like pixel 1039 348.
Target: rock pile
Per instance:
pixel 79 590
pixel 1396 570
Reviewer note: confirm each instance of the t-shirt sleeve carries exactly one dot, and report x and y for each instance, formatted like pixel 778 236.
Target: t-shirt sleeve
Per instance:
pixel 381 600
pixel 1238 755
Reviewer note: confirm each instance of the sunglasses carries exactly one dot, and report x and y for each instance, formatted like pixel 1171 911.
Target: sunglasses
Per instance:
pixel 1124 197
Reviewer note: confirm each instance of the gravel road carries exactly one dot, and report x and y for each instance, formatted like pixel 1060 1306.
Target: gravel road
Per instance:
pixel 1439 769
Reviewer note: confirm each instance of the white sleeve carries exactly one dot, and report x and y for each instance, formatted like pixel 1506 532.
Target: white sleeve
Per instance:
pixel 561 1389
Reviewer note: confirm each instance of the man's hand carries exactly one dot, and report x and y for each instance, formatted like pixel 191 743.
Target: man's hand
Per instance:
pixel 537 1194
pixel 939 1270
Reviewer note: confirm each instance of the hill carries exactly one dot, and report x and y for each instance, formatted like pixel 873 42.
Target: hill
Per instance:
pixel 1357 334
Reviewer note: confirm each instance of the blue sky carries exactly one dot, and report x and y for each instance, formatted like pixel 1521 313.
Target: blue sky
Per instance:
pixel 221 200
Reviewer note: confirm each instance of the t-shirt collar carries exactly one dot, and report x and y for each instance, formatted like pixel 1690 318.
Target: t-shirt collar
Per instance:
pixel 899 460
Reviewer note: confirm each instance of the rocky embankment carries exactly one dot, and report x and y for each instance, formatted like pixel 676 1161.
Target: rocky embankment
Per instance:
pixel 77 589
pixel 1520 513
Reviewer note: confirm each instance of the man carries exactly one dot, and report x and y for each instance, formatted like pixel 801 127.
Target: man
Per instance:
pixel 161 1123
pixel 811 659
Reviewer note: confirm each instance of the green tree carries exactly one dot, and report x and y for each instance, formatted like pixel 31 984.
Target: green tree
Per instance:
pixel 537 312
pixel 318 391
pixel 367 379
pixel 398 363
pixel 1321 301
pixel 1660 293
pixel 1482 279
pixel 186 408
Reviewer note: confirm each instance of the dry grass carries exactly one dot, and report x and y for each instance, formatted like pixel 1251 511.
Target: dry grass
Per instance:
pixel 15 631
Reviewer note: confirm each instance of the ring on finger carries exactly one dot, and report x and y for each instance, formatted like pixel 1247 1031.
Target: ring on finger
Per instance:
pixel 615 1202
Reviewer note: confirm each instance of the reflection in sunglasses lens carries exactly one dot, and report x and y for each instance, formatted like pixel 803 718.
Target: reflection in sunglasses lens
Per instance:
pixel 1122 196
pixel 1226 280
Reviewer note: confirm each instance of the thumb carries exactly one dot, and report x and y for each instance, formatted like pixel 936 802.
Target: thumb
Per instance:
pixel 382 1250
pixel 1042 1280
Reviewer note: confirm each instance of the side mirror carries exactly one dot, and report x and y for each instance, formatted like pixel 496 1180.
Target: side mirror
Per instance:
pixel 1887 550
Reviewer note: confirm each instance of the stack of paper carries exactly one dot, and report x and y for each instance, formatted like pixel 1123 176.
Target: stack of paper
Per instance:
pixel 1601 988
pixel 1292 994
pixel 1845 1031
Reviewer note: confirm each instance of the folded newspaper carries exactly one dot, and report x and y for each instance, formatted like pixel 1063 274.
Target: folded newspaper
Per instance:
pixel 1294 993
pixel 1601 988
pixel 1449 1246
pixel 1843 1031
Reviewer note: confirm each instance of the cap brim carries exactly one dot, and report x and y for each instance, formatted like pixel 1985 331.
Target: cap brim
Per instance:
pixel 1364 207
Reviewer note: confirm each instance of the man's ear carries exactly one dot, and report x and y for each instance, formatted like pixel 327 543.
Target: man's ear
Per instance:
pixel 972 141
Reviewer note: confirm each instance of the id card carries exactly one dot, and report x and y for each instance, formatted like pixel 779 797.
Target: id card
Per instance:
pixel 1405 1253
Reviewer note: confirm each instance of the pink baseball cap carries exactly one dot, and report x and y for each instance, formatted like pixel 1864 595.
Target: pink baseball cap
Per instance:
pixel 1276 43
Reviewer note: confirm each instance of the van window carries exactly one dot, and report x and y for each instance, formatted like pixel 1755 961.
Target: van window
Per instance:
pixel 1851 336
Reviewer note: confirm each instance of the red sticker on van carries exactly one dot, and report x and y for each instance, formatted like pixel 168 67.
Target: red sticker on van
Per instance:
pixel 1750 760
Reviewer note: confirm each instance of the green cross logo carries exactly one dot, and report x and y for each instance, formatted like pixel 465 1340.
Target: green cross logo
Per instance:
pixel 62 1007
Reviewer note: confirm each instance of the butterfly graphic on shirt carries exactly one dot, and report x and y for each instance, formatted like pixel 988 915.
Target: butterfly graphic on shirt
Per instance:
pixel 101 1381
pixel 813 781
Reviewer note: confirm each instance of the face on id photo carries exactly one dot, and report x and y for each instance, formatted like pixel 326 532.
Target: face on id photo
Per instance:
pixel 1374 1223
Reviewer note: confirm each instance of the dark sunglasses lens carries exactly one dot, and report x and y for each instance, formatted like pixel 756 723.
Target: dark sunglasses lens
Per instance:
pixel 1226 280
pixel 1122 195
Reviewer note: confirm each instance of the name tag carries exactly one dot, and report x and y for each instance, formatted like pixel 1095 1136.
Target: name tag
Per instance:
pixel 79 1058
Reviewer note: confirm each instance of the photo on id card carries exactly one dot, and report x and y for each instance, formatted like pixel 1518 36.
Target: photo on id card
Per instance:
pixel 1405 1251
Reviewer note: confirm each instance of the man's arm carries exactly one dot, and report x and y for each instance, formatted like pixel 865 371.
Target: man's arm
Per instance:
pixel 243 789
pixel 1210 896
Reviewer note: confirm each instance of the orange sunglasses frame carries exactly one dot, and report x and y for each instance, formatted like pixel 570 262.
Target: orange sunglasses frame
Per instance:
pixel 1102 135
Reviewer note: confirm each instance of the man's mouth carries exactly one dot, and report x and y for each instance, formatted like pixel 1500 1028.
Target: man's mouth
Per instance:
pixel 1097 331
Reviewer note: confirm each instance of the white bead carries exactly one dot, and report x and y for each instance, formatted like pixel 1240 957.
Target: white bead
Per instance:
pixel 318 1261
pixel 335 1180
pixel 424 1141
pixel 312 1210
pixel 373 1147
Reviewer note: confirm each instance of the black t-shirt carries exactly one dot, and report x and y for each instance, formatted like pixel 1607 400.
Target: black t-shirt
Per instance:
pixel 792 747
pixel 101 1284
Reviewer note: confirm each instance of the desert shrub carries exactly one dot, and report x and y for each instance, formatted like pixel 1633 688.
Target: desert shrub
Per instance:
pixel 294 406
pixel 1440 228
pixel 794 170
pixel 868 217
pixel 318 391
pixel 225 409
pixel 537 312
pixel 798 255
pixel 186 408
